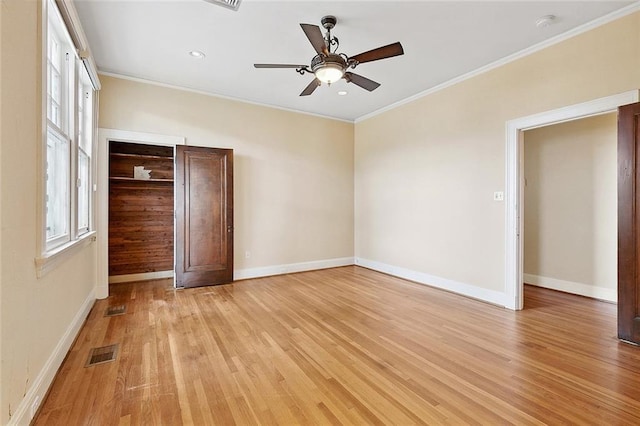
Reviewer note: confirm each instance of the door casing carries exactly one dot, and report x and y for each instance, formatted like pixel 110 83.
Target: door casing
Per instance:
pixel 514 181
pixel 102 198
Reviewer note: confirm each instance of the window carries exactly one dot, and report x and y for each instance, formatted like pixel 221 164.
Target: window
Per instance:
pixel 85 141
pixel 57 200
pixel 69 138
pixel 55 59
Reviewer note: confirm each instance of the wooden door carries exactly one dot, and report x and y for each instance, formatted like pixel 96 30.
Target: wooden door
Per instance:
pixel 628 223
pixel 204 216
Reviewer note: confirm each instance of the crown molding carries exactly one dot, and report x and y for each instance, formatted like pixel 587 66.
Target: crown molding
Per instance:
pixel 620 13
pixel 215 95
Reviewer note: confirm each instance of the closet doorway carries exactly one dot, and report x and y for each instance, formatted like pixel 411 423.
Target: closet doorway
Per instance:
pixel 165 210
pixel 141 212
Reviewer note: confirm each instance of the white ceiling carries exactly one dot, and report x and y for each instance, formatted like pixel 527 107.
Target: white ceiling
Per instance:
pixel 150 39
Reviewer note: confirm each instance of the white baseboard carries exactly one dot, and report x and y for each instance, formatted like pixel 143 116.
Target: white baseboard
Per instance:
pixel 25 411
pixel 608 294
pixel 115 279
pixel 244 274
pixel 468 290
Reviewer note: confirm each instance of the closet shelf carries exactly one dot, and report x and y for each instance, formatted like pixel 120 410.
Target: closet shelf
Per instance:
pixel 128 179
pixel 159 157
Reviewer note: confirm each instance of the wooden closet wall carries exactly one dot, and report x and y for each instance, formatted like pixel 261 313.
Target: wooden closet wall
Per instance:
pixel 141 211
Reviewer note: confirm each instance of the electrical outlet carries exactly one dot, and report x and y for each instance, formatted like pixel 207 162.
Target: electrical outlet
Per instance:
pixel 35 406
pixel 247 255
pixel 498 196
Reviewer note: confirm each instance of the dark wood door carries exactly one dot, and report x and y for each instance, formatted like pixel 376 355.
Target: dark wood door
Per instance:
pixel 204 216
pixel 628 223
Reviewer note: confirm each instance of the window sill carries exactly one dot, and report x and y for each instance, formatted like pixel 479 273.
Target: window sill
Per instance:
pixel 51 259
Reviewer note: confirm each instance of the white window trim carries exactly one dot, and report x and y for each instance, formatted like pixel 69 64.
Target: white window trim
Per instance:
pixel 83 230
pixel 47 259
pixel 52 258
pixel 80 232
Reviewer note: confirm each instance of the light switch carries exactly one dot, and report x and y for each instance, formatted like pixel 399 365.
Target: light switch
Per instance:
pixel 498 196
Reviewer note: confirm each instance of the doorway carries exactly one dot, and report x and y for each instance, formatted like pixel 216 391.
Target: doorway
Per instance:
pixel 105 136
pixel 570 207
pixel 198 183
pixel 514 249
pixel 141 212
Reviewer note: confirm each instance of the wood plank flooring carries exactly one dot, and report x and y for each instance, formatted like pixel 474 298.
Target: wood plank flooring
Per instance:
pixel 345 346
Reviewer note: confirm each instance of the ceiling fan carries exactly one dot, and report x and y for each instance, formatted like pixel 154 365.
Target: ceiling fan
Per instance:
pixel 329 66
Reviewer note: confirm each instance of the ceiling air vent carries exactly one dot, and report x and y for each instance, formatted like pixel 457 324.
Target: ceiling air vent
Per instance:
pixel 229 4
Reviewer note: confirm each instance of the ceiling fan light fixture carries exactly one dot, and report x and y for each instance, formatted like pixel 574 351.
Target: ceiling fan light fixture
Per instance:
pixel 329 73
pixel 328 69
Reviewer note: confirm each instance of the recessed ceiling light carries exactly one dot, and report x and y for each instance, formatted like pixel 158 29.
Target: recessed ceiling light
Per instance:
pixel 342 92
pixel 197 54
pixel 545 21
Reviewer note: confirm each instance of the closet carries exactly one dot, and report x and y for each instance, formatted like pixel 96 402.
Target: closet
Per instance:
pixel 141 210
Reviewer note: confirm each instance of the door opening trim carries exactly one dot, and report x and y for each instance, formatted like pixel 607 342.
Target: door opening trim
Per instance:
pixel 514 252
pixel 102 195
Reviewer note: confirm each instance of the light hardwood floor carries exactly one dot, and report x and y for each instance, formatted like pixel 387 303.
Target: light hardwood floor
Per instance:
pixel 345 346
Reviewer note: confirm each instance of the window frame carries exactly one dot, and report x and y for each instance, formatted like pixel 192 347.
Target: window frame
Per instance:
pixel 53 251
pixel 65 236
pixel 85 128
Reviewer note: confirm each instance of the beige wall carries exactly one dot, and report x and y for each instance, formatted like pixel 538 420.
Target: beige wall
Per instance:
pixel 570 206
pixel 293 185
pixel 426 171
pixel 35 312
pixel 1 138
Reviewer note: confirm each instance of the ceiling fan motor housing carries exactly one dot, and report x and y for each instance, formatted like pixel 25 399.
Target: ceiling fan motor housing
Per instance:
pixel 332 59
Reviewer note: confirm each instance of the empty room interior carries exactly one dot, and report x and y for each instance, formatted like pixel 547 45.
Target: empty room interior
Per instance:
pixel 351 212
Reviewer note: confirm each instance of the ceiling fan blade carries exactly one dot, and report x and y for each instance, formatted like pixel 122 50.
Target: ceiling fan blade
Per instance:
pixel 316 38
pixel 389 51
pixel 361 81
pixel 278 66
pixel 311 87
